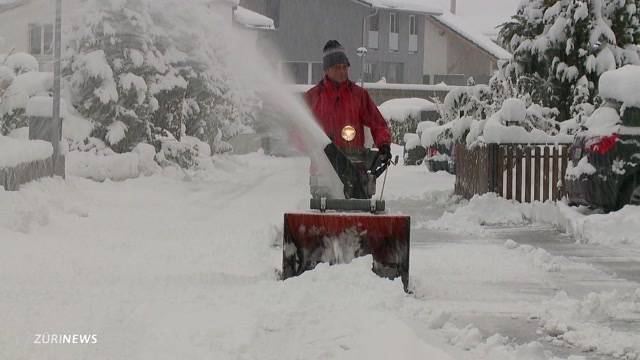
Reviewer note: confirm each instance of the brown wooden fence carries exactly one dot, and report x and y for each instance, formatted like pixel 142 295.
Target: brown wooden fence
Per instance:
pixel 525 173
pixel 12 177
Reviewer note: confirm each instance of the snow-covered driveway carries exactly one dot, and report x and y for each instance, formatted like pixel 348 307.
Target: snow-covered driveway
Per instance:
pixel 179 266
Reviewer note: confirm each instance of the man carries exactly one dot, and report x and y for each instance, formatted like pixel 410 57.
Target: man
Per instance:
pixel 343 108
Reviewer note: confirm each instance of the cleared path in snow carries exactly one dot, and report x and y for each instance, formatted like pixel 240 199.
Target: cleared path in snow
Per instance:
pixel 507 280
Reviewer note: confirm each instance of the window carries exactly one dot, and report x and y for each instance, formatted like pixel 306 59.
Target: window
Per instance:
pixel 374 22
pixel 374 26
pixel 317 73
pixel 393 23
pixel 413 34
pixel 35 39
pixel 393 31
pixel 413 28
pixel 41 39
pixel 297 71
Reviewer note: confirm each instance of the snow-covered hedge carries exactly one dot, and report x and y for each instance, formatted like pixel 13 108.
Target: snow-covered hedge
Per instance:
pixel 404 115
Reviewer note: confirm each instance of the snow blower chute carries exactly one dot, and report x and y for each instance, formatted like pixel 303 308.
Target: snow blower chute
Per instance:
pixel 336 231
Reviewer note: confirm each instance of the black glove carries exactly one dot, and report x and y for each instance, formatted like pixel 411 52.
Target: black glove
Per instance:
pixel 384 151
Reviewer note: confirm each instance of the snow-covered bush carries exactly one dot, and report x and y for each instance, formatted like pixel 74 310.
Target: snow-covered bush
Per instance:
pixel 474 101
pixel 561 48
pixel 188 153
pixel 20 80
pixel 403 115
pixel 140 69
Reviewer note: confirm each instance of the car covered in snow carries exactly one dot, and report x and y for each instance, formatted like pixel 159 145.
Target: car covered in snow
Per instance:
pixel 604 165
pixel 439 142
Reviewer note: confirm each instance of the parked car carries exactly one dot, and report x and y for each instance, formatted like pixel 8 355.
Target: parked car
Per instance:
pixel 440 158
pixel 604 169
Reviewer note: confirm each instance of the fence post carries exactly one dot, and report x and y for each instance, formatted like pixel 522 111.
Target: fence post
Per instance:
pixel 492 169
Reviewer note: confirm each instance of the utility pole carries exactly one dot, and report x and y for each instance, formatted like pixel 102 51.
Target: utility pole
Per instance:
pixel 57 121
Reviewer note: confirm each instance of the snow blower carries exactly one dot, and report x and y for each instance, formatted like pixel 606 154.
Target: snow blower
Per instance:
pixel 336 231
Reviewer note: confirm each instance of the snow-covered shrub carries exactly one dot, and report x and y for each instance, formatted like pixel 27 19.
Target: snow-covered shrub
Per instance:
pixel 188 152
pixel 474 101
pixel 403 115
pixel 20 80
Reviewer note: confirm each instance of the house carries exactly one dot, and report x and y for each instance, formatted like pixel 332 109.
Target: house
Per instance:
pixel 408 41
pixel 304 26
pixel 27 25
pixel 455 51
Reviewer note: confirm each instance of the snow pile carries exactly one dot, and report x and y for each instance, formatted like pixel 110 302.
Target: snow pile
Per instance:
pixel 541 259
pixel 508 126
pixel 411 141
pixel 401 109
pixel 100 163
pixel 583 167
pixel 617 228
pixel 424 125
pixel 585 324
pixel 622 85
pixel 603 122
pixel 18 151
pixel 485 210
pixel 189 152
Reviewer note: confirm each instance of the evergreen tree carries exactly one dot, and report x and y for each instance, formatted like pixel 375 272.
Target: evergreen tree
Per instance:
pixel 558 43
pixel 142 76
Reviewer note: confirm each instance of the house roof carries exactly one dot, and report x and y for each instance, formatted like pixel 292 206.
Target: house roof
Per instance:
pixel 475 36
pixel 418 6
pixel 10 4
pixel 252 19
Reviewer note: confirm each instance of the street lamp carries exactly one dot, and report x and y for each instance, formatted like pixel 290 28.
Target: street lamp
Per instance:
pixel 362 52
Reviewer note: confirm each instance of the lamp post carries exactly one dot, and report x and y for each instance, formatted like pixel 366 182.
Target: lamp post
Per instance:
pixel 362 52
pixel 57 121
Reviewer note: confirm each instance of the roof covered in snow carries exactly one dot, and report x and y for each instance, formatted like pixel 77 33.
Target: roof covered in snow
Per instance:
pixel 10 4
pixel 252 19
pixel 466 31
pixel 418 6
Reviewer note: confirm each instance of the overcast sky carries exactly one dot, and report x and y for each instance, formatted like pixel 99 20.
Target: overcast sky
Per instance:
pixel 485 15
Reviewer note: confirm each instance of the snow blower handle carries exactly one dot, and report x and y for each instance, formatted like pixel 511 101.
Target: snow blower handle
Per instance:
pixel 384 181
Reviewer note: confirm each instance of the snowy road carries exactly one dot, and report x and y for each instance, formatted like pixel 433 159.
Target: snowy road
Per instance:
pixel 183 266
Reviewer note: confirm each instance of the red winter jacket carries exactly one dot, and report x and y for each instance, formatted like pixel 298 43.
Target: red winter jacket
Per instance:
pixel 336 106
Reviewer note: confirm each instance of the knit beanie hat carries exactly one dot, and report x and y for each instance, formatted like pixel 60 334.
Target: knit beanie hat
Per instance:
pixel 333 54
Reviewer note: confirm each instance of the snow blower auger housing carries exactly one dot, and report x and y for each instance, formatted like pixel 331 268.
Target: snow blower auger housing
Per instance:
pixel 336 231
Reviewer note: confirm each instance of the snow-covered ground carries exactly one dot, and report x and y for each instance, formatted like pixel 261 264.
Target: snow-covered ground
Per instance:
pixel 184 265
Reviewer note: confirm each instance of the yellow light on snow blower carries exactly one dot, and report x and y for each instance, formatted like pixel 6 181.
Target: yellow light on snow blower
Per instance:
pixel 348 133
